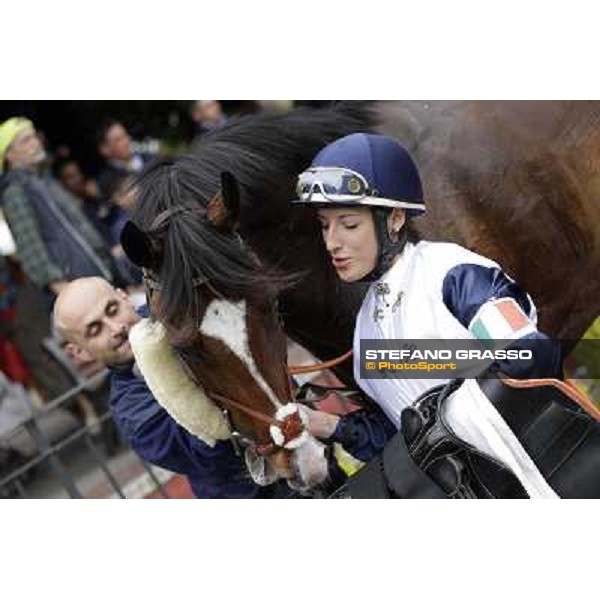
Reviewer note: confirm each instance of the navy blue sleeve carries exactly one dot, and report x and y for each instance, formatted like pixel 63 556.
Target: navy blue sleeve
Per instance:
pixel 547 358
pixel 364 433
pixel 148 427
pixel 157 438
pixel 467 287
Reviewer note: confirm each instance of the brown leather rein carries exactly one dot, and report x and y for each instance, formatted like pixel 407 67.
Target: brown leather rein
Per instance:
pixel 328 364
pixel 292 370
pixel 291 426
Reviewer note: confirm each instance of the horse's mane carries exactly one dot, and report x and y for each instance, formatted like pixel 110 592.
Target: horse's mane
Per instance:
pixel 191 248
pixel 265 153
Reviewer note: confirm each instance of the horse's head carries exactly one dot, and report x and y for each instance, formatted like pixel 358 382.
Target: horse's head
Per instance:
pixel 219 308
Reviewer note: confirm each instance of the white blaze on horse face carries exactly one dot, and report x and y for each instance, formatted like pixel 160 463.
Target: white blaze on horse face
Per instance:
pixel 226 321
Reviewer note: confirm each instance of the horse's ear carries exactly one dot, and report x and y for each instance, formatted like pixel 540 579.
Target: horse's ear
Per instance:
pixel 138 246
pixel 224 209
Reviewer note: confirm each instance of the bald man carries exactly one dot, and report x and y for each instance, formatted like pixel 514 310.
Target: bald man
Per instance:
pixel 95 318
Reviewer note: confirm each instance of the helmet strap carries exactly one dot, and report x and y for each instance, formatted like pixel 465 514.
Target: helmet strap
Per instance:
pixel 388 248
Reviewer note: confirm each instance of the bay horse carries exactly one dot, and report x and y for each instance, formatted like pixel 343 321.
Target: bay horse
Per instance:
pixel 529 204
pixel 518 182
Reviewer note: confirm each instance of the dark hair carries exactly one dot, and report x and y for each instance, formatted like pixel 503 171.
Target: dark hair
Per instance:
pixel 104 128
pixel 113 182
pixel 191 246
pixel 412 234
pixel 59 165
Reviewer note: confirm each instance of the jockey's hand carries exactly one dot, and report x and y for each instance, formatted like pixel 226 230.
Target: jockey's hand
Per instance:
pixel 320 424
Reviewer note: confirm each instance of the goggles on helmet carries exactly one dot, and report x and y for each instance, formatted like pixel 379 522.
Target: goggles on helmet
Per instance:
pixel 324 185
pixel 334 184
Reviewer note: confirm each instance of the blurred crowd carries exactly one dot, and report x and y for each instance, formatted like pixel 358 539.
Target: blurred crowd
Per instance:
pixel 58 223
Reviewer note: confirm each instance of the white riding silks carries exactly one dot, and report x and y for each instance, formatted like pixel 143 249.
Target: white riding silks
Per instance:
pixel 413 308
pixel 473 418
pixel 171 385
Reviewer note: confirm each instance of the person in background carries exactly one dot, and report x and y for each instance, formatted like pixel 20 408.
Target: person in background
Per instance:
pixel 55 241
pixel 108 216
pixel 86 193
pixel 116 148
pixel 207 115
pixel 24 355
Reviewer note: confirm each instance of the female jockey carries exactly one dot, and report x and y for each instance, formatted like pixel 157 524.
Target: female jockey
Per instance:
pixel 366 189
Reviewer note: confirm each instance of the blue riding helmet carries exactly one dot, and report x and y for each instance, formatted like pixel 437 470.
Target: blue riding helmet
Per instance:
pixel 361 168
pixel 370 170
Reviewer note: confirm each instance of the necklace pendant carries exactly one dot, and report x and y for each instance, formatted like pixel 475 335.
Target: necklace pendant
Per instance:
pixel 398 301
pixel 377 314
pixel 382 288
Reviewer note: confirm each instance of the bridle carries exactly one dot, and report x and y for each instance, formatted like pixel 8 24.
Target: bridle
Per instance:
pixel 291 426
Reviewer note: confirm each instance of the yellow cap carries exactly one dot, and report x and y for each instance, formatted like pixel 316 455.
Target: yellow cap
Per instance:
pixel 9 130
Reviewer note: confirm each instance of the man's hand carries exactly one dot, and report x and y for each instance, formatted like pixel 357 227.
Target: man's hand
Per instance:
pixel 320 424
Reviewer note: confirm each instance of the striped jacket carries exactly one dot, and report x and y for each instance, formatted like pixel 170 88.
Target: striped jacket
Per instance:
pixel 54 240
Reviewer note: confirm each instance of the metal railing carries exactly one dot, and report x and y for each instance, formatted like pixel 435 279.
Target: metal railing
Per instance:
pixel 48 450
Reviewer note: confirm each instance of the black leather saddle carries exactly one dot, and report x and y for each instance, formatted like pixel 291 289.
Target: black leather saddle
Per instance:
pixel 426 460
pixel 562 439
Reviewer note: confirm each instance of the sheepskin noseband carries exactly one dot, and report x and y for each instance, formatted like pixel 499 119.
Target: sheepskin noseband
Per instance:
pixel 171 385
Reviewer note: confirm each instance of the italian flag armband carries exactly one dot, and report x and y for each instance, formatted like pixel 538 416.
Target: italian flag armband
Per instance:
pixel 501 319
